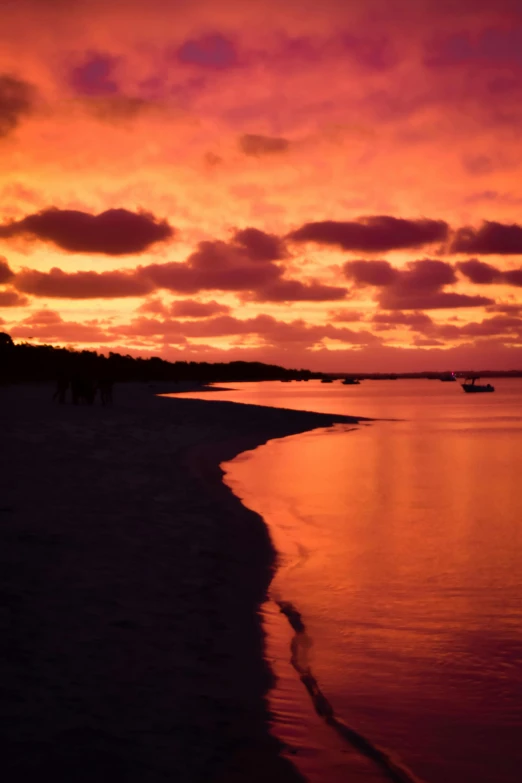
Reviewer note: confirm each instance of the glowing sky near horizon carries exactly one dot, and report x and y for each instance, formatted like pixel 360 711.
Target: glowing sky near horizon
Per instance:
pixel 331 185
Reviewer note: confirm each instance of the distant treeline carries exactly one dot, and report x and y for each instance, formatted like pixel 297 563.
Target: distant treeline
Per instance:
pixel 35 363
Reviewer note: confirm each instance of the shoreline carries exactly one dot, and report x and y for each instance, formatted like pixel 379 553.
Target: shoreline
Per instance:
pixel 138 631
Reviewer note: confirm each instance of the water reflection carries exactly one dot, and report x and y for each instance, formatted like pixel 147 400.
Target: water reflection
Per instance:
pixel 401 545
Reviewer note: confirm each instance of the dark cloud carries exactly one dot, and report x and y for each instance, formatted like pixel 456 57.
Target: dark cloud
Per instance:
pixel 489 48
pixel 478 271
pixel 16 101
pixel 10 298
pixel 425 342
pixel 418 286
pixel 481 273
pixel 95 75
pixel 261 246
pixel 372 53
pixel 373 273
pixel 430 300
pixel 255 145
pixel 114 232
pixel 266 327
pixel 491 238
pixel 415 320
pixel 213 51
pixel 378 233
pixel 68 332
pixel 215 265
pixel 296 291
pixel 190 308
pixel 240 265
pixel 425 275
pixel 6 274
pixel 505 308
pixel 83 285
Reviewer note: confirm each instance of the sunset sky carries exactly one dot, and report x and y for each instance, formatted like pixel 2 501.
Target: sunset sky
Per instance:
pixel 334 185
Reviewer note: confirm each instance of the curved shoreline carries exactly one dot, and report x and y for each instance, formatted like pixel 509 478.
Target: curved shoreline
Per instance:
pixel 134 577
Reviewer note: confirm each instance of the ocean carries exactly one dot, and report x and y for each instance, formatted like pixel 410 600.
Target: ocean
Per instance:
pixel 400 568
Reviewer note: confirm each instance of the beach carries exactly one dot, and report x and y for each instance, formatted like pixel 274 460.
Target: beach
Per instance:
pixel 131 580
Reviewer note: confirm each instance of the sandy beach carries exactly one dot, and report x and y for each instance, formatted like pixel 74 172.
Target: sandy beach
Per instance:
pixel 131 577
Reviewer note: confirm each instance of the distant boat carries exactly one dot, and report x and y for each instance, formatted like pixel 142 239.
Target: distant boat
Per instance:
pixel 351 382
pixel 326 380
pixel 471 387
pixel 448 376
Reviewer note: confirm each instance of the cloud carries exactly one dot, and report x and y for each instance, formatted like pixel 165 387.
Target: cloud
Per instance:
pixel 373 273
pixel 296 291
pixel 83 285
pixel 242 264
pixel 239 265
pixel 6 274
pixel 491 238
pixel 213 51
pixel 68 332
pixel 10 298
pixel 478 271
pixel 417 275
pixel 95 75
pixel 416 287
pixel 261 246
pixel 43 316
pixel 16 101
pixel 481 273
pixel 489 48
pixel 415 320
pixel 346 316
pixel 431 300
pixel 255 145
pixel 266 327
pixel 373 234
pixel 114 232
pixel 190 308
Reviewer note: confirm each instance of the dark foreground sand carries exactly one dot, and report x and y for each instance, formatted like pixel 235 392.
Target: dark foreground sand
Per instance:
pixel 130 579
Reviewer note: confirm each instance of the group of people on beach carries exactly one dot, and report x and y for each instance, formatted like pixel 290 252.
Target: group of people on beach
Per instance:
pixel 83 390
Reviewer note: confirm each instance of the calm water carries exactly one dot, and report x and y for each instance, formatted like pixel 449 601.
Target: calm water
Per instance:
pixel 401 547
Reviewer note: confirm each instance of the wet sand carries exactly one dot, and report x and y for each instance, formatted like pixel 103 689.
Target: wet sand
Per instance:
pixel 131 579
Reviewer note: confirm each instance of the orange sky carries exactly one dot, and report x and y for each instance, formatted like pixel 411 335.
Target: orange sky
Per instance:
pixel 329 185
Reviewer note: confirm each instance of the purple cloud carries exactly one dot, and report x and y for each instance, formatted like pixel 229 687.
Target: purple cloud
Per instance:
pixel 481 273
pixel 190 308
pixel 6 274
pixel 95 76
pixel 256 145
pixel 491 238
pixel 83 285
pixel 430 300
pixel 296 291
pixel 261 246
pixel 114 232
pixel 373 273
pixel 378 233
pixel 16 101
pixel 213 51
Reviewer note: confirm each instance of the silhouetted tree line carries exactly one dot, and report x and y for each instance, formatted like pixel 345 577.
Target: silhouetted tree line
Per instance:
pixel 36 363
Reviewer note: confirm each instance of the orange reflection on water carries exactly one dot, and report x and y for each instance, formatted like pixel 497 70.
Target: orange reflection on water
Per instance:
pixel 401 545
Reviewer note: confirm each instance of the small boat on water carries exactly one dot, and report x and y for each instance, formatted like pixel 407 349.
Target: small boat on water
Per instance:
pixel 471 387
pixel 448 377
pixel 326 380
pixel 351 382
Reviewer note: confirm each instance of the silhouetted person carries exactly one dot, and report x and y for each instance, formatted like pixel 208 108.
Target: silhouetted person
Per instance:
pixel 82 389
pixel 105 386
pixel 62 384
